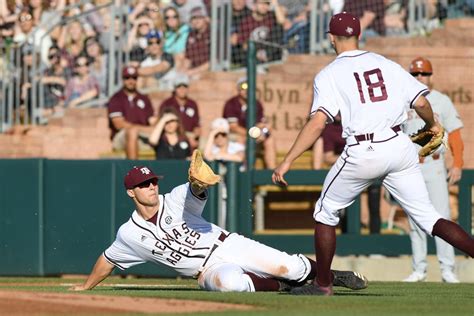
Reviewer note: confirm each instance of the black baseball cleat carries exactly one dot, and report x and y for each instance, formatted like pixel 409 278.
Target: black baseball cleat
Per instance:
pixel 350 279
pixel 312 289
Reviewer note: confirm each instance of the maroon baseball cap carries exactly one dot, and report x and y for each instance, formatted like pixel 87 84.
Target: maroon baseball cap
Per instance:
pixel 129 71
pixel 344 24
pixel 138 175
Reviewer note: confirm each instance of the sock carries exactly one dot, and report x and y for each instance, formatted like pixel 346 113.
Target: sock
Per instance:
pixel 453 234
pixel 325 247
pixel 263 284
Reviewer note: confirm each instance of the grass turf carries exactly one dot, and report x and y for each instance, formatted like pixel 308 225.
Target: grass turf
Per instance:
pixel 380 298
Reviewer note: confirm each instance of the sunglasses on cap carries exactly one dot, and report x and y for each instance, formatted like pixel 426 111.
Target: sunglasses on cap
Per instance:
pixel 154 42
pixel 221 134
pixel 423 74
pixel 147 183
pixel 24 18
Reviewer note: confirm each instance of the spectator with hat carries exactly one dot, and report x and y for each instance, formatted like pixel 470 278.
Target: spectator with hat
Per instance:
pixel 184 8
pixel 186 108
pixel 198 44
pixel 157 64
pixel 235 111
pixel 131 116
pixel 218 145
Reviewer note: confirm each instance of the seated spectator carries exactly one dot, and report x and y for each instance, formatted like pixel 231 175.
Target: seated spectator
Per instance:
pixel 240 10
pixel 198 45
pixel 98 62
pixel 28 36
pixel 186 108
pixel 137 38
pixel 72 40
pixel 54 81
pixel 157 66
pixel 131 116
pixel 176 35
pixel 168 137
pixel 184 8
pixel 218 145
pixel 150 9
pixel 235 111
pixel 395 17
pixel 82 87
pixel 371 14
pixel 262 25
pixel 296 25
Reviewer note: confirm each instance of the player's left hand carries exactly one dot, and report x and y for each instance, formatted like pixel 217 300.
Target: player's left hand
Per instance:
pixel 279 172
pixel 454 175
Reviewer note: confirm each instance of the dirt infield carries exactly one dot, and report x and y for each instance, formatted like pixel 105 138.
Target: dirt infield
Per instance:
pixel 18 303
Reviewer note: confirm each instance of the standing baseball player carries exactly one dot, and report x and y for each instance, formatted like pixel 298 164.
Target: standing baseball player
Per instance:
pixel 434 172
pixel 372 95
pixel 169 229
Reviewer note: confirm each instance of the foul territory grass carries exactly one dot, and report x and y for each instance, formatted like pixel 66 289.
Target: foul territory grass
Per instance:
pixel 380 298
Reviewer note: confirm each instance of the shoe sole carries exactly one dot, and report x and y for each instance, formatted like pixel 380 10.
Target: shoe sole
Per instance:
pixel 310 289
pixel 349 279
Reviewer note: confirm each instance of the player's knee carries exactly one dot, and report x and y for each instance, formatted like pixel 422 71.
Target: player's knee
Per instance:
pixel 233 282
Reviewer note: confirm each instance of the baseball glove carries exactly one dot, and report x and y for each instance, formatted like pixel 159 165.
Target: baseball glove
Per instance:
pixel 200 174
pixel 428 140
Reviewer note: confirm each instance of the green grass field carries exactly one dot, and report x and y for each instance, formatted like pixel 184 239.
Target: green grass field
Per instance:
pixel 380 298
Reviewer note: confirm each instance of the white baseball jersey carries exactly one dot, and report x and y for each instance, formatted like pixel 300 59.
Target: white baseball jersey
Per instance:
pixel 362 86
pixel 183 240
pixel 372 94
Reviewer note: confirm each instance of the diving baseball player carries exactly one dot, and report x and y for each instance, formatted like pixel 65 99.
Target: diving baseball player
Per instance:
pixel 435 175
pixel 372 94
pixel 169 229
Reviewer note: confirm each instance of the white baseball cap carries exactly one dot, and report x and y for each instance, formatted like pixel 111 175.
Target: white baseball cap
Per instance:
pixel 220 124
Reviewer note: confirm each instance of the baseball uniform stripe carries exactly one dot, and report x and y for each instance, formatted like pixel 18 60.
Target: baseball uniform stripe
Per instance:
pixel 337 174
pixel 339 57
pixel 423 92
pixel 325 111
pixel 113 262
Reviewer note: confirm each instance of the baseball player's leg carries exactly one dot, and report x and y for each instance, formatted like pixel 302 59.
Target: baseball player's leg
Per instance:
pixel 419 250
pixel 225 277
pixel 408 188
pixel 435 177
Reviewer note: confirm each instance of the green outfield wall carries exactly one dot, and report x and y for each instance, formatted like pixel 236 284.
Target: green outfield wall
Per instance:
pixel 57 216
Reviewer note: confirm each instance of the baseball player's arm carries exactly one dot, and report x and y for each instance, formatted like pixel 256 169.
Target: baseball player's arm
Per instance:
pixel 423 108
pixel 457 147
pixel 102 269
pixel 307 136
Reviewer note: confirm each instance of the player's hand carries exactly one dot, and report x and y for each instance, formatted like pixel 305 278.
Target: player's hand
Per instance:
pixel 454 175
pixel 279 172
pixel 79 287
pixel 436 128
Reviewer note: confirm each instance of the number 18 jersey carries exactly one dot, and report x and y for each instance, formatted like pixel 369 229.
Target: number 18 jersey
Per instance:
pixel 371 92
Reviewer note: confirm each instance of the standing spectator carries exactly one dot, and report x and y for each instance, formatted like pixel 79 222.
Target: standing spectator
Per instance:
pixel 235 111
pixel 31 38
pixel 168 137
pixel 176 35
pixel 262 25
pixel 82 87
pixel 371 14
pixel 435 175
pixel 198 45
pixel 185 6
pixel 240 11
pixel 150 9
pixel 158 65
pixel 131 117
pixel 98 62
pixel 219 146
pixel 186 108
pixel 72 39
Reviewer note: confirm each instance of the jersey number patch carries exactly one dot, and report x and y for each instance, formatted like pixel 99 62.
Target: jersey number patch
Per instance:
pixel 371 86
